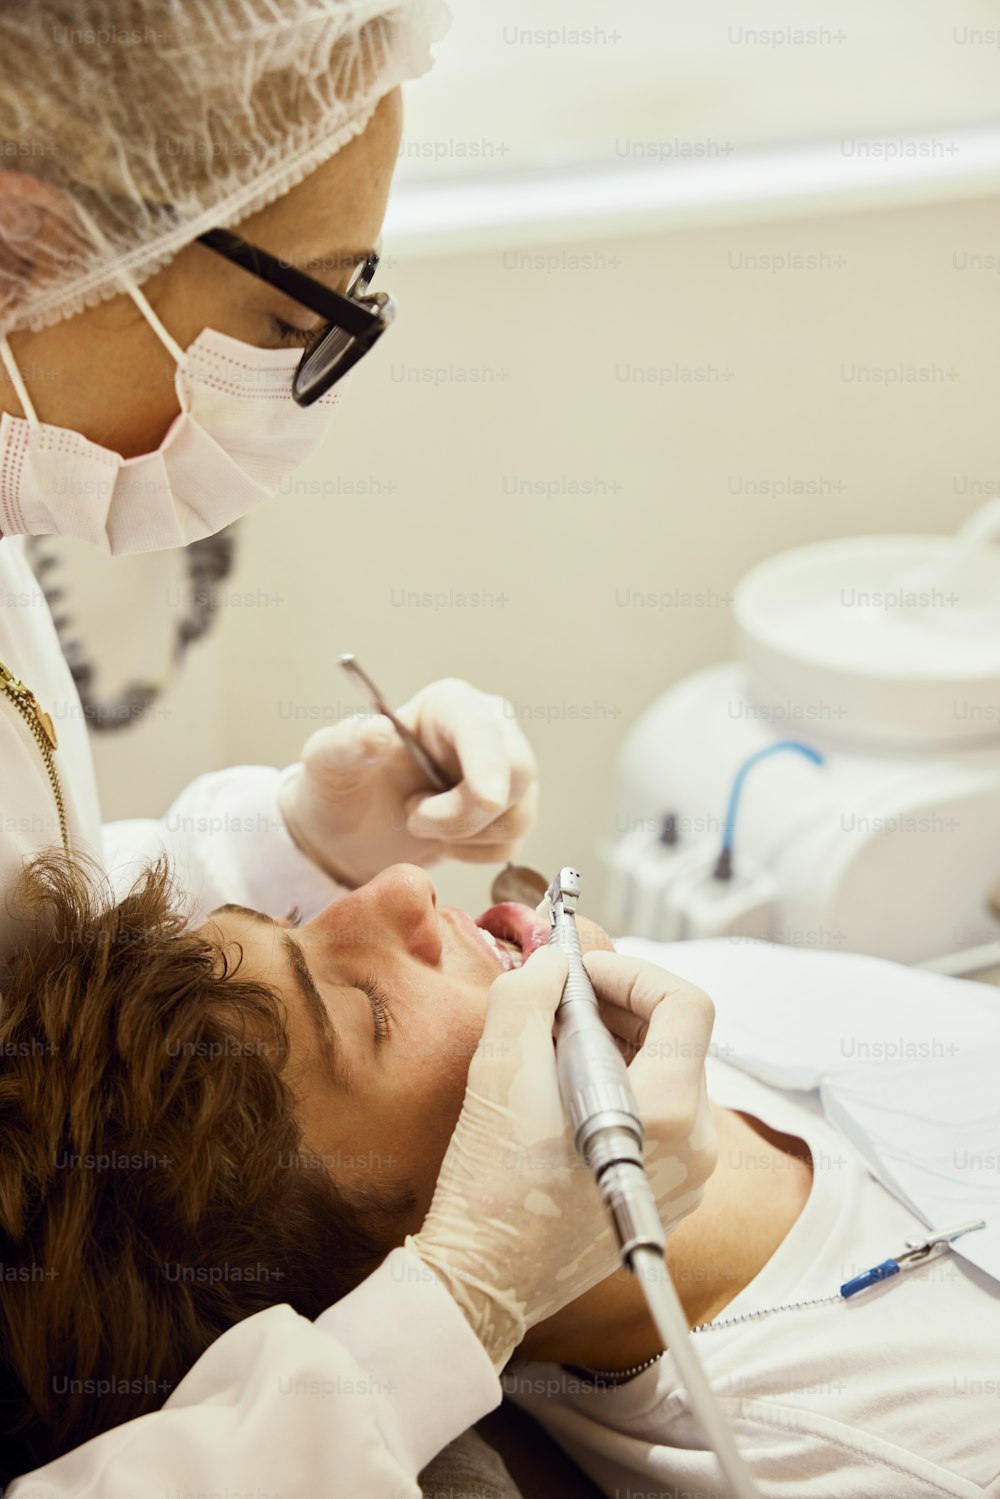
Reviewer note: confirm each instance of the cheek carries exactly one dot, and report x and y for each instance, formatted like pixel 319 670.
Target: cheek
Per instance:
pixel 444 1068
pixel 200 290
pixel 429 1090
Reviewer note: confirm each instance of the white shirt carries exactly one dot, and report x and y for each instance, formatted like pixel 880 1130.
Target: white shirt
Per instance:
pixel 355 1403
pixel 894 1394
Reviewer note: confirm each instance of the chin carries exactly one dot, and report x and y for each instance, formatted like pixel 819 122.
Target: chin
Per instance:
pixel 593 938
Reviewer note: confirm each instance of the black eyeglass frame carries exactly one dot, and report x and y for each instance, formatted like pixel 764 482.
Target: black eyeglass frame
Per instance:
pixel 362 315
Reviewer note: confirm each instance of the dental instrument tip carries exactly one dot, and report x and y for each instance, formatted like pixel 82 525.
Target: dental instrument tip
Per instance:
pixel 565 887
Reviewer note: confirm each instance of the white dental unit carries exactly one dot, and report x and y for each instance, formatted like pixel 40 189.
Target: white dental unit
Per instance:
pixel 878 829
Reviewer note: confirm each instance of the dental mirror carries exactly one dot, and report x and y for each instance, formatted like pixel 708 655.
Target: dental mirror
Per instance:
pixel 518 883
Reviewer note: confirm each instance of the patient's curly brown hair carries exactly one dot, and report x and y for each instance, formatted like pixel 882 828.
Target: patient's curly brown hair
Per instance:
pixel 147 1200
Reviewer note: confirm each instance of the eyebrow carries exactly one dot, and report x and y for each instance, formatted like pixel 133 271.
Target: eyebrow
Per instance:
pixel 323 1027
pixel 329 260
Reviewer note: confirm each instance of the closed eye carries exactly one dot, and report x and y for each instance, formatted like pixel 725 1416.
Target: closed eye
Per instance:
pixel 381 1006
pixel 371 986
pixel 303 338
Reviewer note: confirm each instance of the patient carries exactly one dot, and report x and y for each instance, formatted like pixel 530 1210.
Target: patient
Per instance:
pixel 200 1124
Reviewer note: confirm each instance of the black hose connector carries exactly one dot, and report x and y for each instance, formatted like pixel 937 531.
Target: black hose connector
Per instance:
pixel 669 835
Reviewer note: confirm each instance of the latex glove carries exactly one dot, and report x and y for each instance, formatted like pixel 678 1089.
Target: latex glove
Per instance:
pixel 516 1229
pixel 359 802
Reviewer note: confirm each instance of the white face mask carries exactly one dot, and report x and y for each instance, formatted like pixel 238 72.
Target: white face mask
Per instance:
pixel 238 435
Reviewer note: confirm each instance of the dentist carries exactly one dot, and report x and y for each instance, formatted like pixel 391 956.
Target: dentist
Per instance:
pixel 190 201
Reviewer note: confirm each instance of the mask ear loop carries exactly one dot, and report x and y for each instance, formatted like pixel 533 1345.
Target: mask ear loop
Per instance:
pixel 17 380
pixel 208 561
pixel 140 299
pixel 127 282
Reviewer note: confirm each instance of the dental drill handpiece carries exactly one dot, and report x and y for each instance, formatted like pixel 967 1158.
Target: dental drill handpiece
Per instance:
pixel 595 1089
pixel 597 1096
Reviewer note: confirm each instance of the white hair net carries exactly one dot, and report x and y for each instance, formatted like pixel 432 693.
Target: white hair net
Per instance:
pixel 160 119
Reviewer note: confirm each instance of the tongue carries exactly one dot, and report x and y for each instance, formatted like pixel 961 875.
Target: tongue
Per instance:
pixel 516 923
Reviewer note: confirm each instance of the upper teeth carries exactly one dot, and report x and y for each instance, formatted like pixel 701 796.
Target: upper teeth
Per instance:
pixel 513 949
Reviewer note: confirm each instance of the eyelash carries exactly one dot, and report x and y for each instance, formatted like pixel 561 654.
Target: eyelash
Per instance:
pixel 379 1000
pixel 303 338
pixel 381 1006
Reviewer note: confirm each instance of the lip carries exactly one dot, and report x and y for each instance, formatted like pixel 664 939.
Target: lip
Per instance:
pixel 464 922
pixel 515 923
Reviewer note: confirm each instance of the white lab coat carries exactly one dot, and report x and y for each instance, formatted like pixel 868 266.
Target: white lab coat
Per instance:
pixel 355 1403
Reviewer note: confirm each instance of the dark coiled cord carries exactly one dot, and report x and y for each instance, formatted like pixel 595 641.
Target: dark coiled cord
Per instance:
pixel 207 563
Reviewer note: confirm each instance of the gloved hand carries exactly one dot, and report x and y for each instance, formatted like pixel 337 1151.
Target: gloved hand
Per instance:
pixel 359 802
pixel 516 1229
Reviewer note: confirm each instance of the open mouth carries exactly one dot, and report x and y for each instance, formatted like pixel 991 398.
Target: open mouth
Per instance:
pixel 507 953
pixel 512 932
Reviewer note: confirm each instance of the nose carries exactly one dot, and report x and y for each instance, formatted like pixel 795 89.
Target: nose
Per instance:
pixel 397 909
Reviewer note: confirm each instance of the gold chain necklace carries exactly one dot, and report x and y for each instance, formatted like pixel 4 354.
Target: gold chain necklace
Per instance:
pixel 42 731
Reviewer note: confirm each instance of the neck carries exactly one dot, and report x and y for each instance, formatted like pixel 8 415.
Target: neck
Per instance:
pixel 712 1255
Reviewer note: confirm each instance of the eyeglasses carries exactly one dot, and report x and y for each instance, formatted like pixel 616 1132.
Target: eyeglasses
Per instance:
pixel 356 319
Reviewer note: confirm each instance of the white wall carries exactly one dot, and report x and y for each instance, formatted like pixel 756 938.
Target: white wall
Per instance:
pixel 319 573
